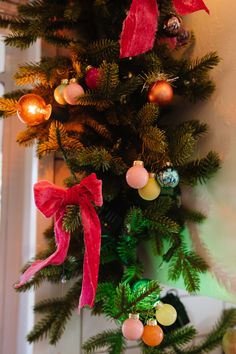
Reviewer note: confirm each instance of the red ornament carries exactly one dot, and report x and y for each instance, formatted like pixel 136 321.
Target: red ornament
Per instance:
pixel 132 328
pixel 160 93
pixel 92 77
pixel 152 334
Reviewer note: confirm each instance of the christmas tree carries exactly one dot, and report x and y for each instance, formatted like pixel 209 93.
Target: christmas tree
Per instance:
pixel 104 106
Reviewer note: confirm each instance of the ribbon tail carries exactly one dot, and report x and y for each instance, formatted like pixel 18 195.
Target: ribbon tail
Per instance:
pixel 92 240
pixel 185 7
pixel 62 240
pixel 139 28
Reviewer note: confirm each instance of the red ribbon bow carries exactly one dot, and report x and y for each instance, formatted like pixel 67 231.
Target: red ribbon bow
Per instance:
pixel 52 200
pixel 140 25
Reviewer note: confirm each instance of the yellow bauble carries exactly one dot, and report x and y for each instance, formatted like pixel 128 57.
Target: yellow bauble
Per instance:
pixel 59 92
pixel 166 314
pixel 229 341
pixel 151 190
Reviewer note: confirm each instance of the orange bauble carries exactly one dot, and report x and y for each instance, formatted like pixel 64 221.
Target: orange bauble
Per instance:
pixel 152 334
pixel 32 109
pixel 160 93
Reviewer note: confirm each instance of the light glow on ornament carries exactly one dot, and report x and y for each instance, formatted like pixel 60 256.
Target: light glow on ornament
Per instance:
pixel 152 334
pixel 32 109
pixel 132 328
pixel 165 314
pixel 151 190
pixel 137 176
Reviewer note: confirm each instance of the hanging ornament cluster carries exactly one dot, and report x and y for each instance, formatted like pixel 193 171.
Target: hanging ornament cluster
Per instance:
pixel 168 177
pixel 32 109
pixel 161 93
pixel 147 184
pixel 172 27
pixel 68 93
pixel 138 177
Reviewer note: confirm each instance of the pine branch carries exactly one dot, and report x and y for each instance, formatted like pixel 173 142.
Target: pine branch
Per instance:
pixel 214 338
pixel 192 215
pixel 28 136
pixel 110 339
pixel 109 79
pixel 71 219
pixel 53 324
pixel 200 170
pixel 190 265
pixel 147 115
pixel 178 337
pixel 8 107
pixel 154 139
pixel 99 159
pixel 103 50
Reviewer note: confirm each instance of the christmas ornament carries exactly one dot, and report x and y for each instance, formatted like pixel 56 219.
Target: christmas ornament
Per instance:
pixel 182 37
pixel 172 25
pixel 168 177
pixel 52 201
pixel 92 77
pixel 140 284
pixel 160 93
pixel 182 318
pixel 137 176
pixel 142 22
pixel 151 190
pixel 229 341
pixel 32 109
pixel 132 328
pixel 165 314
pixel 152 333
pixel 72 92
pixel 59 92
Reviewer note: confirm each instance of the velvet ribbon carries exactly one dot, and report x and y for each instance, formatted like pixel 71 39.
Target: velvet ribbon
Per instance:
pixel 140 25
pixel 51 200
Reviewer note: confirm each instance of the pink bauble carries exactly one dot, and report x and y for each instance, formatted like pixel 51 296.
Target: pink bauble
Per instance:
pixel 132 328
pixel 137 176
pixel 72 92
pixel 92 77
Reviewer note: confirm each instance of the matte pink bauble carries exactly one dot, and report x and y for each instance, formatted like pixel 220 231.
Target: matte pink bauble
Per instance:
pixel 92 77
pixel 72 92
pixel 137 176
pixel 132 328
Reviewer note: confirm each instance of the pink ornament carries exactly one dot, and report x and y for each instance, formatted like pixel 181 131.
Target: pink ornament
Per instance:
pixel 72 92
pixel 137 176
pixel 92 77
pixel 132 328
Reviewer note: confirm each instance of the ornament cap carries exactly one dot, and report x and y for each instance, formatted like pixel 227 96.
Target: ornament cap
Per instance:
pixel 88 68
pixel 159 305
pixel 138 163
pixel 134 316
pixel 73 80
pixel 152 322
pixel 64 81
pixel 152 175
pixel 168 164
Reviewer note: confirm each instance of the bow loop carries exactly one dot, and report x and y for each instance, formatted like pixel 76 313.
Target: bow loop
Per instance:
pixel 48 197
pixel 91 188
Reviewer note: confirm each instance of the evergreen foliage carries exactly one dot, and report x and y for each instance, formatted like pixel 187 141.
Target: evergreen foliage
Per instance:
pixel 111 126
